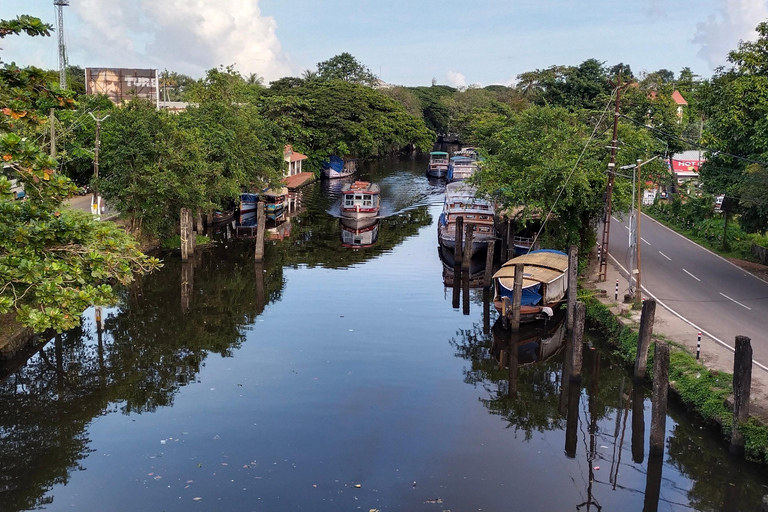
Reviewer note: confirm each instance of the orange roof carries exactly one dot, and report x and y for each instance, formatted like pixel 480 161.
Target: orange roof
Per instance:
pixel 292 155
pixel 679 98
pixel 298 156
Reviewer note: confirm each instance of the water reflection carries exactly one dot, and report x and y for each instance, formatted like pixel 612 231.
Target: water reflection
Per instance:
pixel 359 233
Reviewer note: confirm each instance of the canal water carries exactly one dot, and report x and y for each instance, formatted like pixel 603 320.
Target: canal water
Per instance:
pixel 337 375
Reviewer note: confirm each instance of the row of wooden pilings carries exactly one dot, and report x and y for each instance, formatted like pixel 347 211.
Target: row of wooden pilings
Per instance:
pixel 188 232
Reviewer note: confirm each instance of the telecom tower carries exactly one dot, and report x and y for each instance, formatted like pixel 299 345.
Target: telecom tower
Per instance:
pixel 60 4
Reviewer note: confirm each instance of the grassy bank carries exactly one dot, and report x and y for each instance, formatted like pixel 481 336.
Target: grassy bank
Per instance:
pixel 703 391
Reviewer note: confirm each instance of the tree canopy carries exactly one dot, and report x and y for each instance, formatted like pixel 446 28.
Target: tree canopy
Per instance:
pixel 347 68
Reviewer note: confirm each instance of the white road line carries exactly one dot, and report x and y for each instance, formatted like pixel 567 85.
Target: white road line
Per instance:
pixel 737 302
pixel 644 240
pixel 693 276
pixel 670 259
pixel 681 317
pixel 651 219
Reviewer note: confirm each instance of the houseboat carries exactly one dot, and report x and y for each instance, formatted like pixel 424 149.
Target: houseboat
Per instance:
pixel 461 201
pixel 337 167
pixel 360 200
pixel 274 202
pixel 438 164
pixel 359 233
pixel 545 282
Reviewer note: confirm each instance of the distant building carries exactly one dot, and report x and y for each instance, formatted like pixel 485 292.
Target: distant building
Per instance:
pixel 293 159
pixel 686 165
pixel 681 103
pixel 174 106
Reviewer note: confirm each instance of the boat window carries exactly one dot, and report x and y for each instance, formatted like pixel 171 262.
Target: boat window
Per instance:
pixel 349 200
pixel 367 201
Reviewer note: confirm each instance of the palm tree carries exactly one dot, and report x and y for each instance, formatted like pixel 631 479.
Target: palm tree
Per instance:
pixel 308 75
pixel 254 79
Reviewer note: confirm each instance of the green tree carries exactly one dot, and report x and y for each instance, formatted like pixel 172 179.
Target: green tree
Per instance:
pixel 347 68
pixel 54 262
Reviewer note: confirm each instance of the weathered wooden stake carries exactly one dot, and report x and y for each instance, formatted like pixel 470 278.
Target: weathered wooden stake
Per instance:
pixel 565 376
pixel 199 224
pixel 260 224
pixel 742 388
pixel 572 418
pixel 261 296
pixel 187 236
pixel 514 370
pixel 638 422
pixel 517 297
pixel 659 398
pixel 467 260
pixel 644 337
pixel 510 239
pixel 488 276
pixel 187 284
pixel 577 339
pixel 505 312
pixel 458 242
pixel 573 270
pixel 456 285
pixel 653 483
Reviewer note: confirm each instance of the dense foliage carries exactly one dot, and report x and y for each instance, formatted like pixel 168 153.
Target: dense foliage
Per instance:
pixel 54 262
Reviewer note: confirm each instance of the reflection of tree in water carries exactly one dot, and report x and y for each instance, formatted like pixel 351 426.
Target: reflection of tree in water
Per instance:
pixel 148 351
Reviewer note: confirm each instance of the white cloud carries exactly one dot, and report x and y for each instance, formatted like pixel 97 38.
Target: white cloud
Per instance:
pixel 456 79
pixel 188 36
pixel 736 20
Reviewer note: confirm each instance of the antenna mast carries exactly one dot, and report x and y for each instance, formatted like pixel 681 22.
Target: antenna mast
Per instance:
pixel 60 4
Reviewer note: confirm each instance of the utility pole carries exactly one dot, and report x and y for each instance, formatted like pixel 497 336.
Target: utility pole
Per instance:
pixel 603 263
pixel 638 290
pixel 96 200
pixel 60 4
pixel 52 121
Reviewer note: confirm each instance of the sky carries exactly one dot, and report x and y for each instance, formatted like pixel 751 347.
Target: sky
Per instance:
pixel 454 42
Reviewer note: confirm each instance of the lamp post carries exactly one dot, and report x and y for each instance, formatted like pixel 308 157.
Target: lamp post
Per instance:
pixel 638 211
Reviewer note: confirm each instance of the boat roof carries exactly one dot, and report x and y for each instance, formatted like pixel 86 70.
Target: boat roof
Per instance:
pixel 360 186
pixel 461 158
pixel 543 266
pixel 440 153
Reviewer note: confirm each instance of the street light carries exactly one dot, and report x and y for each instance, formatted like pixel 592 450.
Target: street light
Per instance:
pixel 636 167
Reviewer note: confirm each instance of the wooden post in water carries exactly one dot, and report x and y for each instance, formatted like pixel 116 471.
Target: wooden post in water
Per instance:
pixel 187 284
pixel 638 421
pixel 260 224
pixel 486 310
pixel 199 224
pixel 505 312
pixel 653 483
pixel 186 233
pixel 659 398
pixel 574 396
pixel 261 295
pixel 465 266
pixel 565 376
pixel 742 389
pixel 577 339
pixel 488 276
pixel 510 239
pixel 458 243
pixel 514 370
pixel 573 270
pixel 517 297
pixel 644 337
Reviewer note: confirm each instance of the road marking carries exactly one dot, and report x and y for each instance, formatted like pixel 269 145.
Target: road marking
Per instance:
pixel 737 302
pixel 681 317
pixel 644 240
pixel 626 227
pixel 651 219
pixel 693 276
pixel 670 259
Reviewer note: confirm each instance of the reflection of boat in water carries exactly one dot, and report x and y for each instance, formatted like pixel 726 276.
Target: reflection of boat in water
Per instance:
pixel 337 167
pixel 460 201
pixel 359 233
pixel 476 268
pixel 360 200
pixel 535 341
pixel 545 282
pixel 274 202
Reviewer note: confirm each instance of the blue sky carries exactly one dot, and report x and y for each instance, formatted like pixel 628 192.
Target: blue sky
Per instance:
pixel 406 42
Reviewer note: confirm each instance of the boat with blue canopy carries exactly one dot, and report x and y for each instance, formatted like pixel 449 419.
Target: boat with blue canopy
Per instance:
pixel 438 164
pixel 337 167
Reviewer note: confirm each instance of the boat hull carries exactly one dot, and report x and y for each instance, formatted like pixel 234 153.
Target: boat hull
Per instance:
pixel 330 174
pixel 351 213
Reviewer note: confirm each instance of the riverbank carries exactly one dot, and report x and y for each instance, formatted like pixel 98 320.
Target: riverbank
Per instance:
pixel 704 386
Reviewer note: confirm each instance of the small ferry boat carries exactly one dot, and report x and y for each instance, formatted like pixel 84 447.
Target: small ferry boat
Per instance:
pixel 545 282
pixel 359 233
pixel 360 200
pixel 460 201
pixel 247 210
pixel 337 167
pixel 438 164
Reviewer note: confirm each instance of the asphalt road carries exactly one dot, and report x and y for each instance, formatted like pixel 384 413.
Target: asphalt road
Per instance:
pixel 718 297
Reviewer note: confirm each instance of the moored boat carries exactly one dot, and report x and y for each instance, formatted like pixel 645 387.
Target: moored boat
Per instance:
pixel 360 200
pixel 460 201
pixel 438 164
pixel 337 167
pixel 545 281
pixel 461 168
pixel 274 202
pixel 247 210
